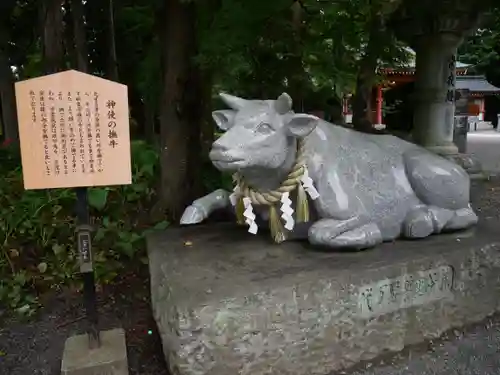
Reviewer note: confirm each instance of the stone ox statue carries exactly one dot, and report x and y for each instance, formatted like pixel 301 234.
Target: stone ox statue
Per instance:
pixel 363 189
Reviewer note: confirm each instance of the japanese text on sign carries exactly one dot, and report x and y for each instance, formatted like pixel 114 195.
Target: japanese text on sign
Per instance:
pixel 112 134
pixel 59 127
pixel 98 133
pixel 74 131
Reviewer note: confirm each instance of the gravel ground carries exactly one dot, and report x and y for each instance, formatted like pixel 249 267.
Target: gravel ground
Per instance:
pixel 477 352
pixel 35 347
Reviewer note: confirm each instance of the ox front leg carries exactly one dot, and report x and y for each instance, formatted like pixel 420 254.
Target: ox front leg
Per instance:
pixel 201 208
pixel 348 234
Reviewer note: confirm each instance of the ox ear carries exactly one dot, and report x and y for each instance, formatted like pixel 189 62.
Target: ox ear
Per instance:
pixel 224 118
pixel 301 125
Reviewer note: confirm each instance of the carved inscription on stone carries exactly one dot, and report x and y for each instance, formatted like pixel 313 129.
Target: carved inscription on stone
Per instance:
pixel 451 79
pixel 389 295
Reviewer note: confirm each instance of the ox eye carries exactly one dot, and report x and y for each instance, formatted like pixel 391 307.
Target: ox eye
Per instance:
pixel 264 128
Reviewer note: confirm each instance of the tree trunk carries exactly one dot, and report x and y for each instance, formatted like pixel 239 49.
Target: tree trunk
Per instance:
pixel 112 59
pixel 208 125
pixel 149 122
pixel 361 101
pixel 297 79
pixel 79 32
pixel 206 85
pixel 8 100
pixel 181 113
pixel 195 103
pixel 361 105
pixel 52 35
pixel 69 38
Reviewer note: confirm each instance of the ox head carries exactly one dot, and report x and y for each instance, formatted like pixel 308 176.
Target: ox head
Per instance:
pixel 258 133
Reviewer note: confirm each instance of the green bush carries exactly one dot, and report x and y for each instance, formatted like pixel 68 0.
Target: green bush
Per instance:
pixel 37 229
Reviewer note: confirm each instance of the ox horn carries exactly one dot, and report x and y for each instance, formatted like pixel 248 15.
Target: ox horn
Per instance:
pixel 283 104
pixel 233 101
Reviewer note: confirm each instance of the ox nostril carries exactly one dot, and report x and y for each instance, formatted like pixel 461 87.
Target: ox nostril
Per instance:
pixel 219 147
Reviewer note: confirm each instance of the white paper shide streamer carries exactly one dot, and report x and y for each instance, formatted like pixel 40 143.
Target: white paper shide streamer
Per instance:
pixel 287 211
pixel 235 195
pixel 249 215
pixel 307 183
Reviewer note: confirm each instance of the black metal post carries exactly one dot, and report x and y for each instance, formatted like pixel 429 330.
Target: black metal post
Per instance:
pixel 86 268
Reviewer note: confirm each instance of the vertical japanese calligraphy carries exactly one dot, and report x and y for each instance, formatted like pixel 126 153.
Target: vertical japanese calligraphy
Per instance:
pixel 450 81
pixel 88 120
pixel 53 132
pixel 81 131
pixel 71 131
pixel 74 131
pixel 45 132
pixel 98 133
pixel 62 131
pixel 33 106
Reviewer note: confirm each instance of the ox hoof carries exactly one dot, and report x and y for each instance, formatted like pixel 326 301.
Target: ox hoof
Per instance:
pixel 462 219
pixel 360 238
pixel 193 215
pixel 418 224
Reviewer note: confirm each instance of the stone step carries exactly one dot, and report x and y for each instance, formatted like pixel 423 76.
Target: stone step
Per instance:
pixel 227 302
pixel 481 126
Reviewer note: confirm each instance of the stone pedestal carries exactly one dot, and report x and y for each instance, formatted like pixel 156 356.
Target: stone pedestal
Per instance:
pixel 109 359
pixel 227 302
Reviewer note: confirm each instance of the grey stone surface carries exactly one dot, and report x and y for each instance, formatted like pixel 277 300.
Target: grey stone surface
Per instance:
pixel 227 303
pixel 109 359
pixel 372 188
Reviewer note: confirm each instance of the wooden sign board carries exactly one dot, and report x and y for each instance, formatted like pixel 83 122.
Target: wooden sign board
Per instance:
pixel 74 131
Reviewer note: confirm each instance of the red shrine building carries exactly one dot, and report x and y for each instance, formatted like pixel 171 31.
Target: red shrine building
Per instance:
pixel 391 77
pixel 478 88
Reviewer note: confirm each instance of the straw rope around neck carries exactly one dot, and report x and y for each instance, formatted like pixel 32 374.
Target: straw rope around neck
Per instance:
pixel 248 196
pixel 288 185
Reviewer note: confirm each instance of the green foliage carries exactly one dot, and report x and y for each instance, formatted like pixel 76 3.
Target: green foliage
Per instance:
pixel 482 48
pixel 213 179
pixel 17 41
pixel 37 229
pixel 256 50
